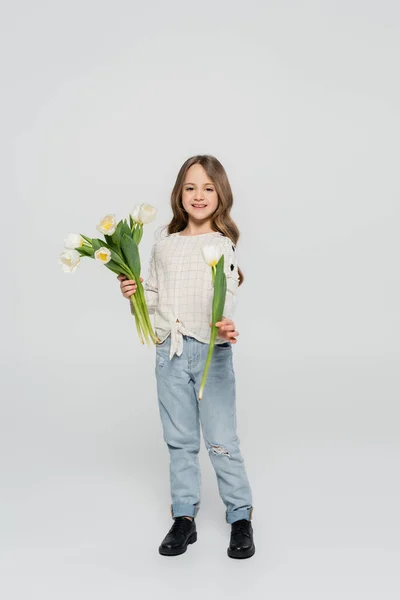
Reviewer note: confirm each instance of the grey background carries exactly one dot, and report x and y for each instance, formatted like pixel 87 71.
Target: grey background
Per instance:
pixel 101 104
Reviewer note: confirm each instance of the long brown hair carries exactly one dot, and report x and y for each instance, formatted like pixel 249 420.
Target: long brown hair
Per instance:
pixel 221 219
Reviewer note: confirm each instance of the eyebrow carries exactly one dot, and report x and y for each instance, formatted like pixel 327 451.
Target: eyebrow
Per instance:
pixel 190 183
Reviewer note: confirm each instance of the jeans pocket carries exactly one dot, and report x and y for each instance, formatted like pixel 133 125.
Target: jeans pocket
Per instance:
pixel 223 345
pixel 164 343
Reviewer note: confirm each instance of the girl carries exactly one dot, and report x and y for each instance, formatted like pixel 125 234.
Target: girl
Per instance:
pixel 179 292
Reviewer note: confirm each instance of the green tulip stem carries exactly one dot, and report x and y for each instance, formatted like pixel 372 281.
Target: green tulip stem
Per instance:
pixel 218 302
pixel 138 328
pixel 213 337
pixel 140 307
pixel 139 314
pixel 146 313
pixel 147 327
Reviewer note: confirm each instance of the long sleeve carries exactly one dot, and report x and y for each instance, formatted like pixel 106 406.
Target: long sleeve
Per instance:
pixel 150 286
pixel 232 279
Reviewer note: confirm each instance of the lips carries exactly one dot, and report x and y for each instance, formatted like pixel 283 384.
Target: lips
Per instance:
pixel 199 205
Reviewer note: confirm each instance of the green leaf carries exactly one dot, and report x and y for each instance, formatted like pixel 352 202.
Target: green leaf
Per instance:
pixel 86 251
pixel 87 239
pixel 131 223
pixel 219 291
pixel 118 259
pixel 136 236
pixel 116 268
pixel 116 236
pixel 126 230
pixel 131 255
pixel 141 234
pixel 96 244
pixel 99 243
pixel 110 242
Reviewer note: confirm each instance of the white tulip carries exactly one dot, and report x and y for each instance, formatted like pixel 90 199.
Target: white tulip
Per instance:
pixel 143 214
pixel 107 225
pixel 69 260
pixel 74 240
pixel 135 213
pixel 147 214
pixel 212 254
pixel 103 255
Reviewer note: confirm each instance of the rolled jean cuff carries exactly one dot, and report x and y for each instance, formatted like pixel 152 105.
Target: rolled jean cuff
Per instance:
pixel 184 510
pixel 236 515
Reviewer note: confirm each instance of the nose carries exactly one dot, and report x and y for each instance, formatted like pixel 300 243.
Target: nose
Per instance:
pixel 199 195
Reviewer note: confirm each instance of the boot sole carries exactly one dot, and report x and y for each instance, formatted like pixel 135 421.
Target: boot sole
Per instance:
pixel 175 551
pixel 241 553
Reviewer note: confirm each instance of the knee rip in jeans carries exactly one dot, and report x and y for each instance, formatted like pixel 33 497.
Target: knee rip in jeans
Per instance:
pixel 219 450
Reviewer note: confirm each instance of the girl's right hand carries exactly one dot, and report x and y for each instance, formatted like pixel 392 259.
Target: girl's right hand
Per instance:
pixel 128 286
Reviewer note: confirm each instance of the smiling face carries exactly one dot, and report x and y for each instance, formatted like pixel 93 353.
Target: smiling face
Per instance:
pixel 199 190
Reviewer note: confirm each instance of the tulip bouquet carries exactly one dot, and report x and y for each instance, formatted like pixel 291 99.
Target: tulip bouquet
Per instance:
pixel 119 253
pixel 214 257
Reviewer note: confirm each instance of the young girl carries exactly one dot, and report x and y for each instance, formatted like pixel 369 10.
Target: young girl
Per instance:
pixel 179 293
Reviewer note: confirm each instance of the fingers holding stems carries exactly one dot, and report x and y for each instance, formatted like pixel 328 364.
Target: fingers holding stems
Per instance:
pixel 128 286
pixel 227 330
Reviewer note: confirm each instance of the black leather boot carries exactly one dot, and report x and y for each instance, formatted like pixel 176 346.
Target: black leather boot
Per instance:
pixel 241 543
pixel 182 533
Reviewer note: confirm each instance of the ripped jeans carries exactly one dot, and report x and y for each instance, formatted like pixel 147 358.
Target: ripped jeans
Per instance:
pixel 178 384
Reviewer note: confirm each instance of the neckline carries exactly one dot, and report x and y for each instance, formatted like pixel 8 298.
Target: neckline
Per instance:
pixel 178 234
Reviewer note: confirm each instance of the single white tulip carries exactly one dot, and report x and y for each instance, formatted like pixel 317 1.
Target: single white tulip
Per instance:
pixel 147 214
pixel 143 214
pixel 69 260
pixel 135 213
pixel 212 254
pixel 103 255
pixel 74 240
pixel 107 225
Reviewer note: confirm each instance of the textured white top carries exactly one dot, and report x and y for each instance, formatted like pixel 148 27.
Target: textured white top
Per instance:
pixel 179 289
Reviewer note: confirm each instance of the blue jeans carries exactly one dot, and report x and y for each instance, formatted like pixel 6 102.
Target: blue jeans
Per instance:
pixel 178 384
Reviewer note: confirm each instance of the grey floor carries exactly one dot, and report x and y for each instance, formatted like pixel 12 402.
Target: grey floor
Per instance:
pixel 85 495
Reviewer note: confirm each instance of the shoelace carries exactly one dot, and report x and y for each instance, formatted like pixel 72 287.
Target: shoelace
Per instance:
pixel 240 527
pixel 179 525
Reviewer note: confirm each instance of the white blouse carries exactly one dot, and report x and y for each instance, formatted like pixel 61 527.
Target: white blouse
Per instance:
pixel 179 289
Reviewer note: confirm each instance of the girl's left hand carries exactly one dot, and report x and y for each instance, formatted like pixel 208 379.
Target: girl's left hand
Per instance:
pixel 227 330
